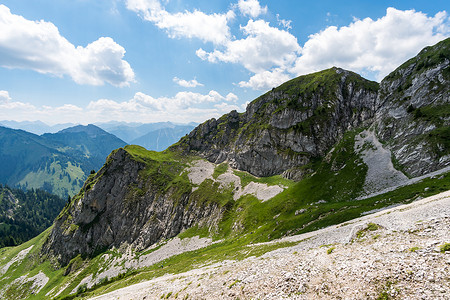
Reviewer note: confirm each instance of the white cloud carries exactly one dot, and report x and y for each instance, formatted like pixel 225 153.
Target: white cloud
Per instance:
pixel 38 45
pixel 4 97
pixel 263 48
pixel 251 8
pixel 208 28
pixel 266 80
pixel 285 23
pixel 377 46
pixel 244 106
pixel 183 107
pixel 185 83
pixel 226 107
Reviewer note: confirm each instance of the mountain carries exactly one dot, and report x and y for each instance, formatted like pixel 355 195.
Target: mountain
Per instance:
pixel 36 127
pixel 153 136
pixel 58 162
pixel 288 127
pixel 313 128
pixel 23 215
pixel 413 111
pixel 161 139
pixel 319 150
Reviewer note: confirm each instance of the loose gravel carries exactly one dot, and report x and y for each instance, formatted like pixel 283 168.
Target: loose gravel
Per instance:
pixel 399 259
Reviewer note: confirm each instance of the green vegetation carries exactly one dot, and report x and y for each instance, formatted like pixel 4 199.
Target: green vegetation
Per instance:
pixel 327 195
pixel 61 179
pixel 445 247
pixel 58 163
pixel 330 250
pixel 219 170
pixel 25 214
pixel 369 227
pixel 427 58
pixel 384 294
pixel 326 81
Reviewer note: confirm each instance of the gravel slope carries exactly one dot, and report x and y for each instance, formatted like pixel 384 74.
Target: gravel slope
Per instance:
pixel 400 259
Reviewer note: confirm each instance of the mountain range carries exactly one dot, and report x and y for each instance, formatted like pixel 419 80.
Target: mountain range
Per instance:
pixel 57 162
pixel 319 150
pixel 153 136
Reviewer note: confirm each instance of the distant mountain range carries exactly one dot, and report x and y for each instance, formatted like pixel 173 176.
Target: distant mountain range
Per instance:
pixel 153 136
pixel 36 127
pixel 57 162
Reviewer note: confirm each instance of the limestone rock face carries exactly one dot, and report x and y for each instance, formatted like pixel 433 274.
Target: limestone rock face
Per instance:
pixel 120 207
pixel 139 200
pixel 282 130
pixel 412 115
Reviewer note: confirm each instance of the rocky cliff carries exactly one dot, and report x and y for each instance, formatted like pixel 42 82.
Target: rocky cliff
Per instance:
pixel 284 129
pixel 281 131
pixel 305 126
pixel 413 114
pixel 133 201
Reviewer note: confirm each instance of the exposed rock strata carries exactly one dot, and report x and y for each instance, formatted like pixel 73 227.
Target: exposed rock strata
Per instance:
pixel 412 104
pixel 121 207
pixel 281 131
pixel 289 125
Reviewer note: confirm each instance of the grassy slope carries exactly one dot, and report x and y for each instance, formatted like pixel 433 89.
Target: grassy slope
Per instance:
pixel 324 198
pixel 337 180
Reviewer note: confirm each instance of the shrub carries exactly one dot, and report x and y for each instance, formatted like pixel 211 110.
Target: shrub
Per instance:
pixel 445 247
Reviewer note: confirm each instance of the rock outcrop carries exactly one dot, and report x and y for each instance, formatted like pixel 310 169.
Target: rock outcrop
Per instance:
pixel 282 130
pixel 413 115
pixel 118 206
pixel 138 199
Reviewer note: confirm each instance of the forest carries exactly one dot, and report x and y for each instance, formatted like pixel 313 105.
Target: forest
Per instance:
pixel 26 213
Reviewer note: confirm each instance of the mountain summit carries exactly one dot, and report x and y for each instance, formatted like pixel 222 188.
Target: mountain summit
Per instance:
pixel 288 127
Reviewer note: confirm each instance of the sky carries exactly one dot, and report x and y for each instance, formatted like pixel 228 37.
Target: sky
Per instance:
pixel 86 61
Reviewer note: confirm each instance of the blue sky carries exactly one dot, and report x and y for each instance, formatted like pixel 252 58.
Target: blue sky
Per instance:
pixel 85 61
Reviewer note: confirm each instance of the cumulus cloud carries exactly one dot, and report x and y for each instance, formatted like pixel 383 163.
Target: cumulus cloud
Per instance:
pixel 377 46
pixel 368 46
pixel 266 80
pixel 206 27
pixel 263 48
pixel 187 83
pixel 251 8
pixel 38 45
pixel 182 107
pixel 4 97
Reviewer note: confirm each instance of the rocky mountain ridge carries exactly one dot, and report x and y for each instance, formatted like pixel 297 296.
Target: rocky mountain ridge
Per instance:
pixel 281 131
pixel 304 129
pixel 325 138
pixel 284 129
pixel 96 221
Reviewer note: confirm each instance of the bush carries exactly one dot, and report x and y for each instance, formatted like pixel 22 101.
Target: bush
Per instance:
pixel 445 247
